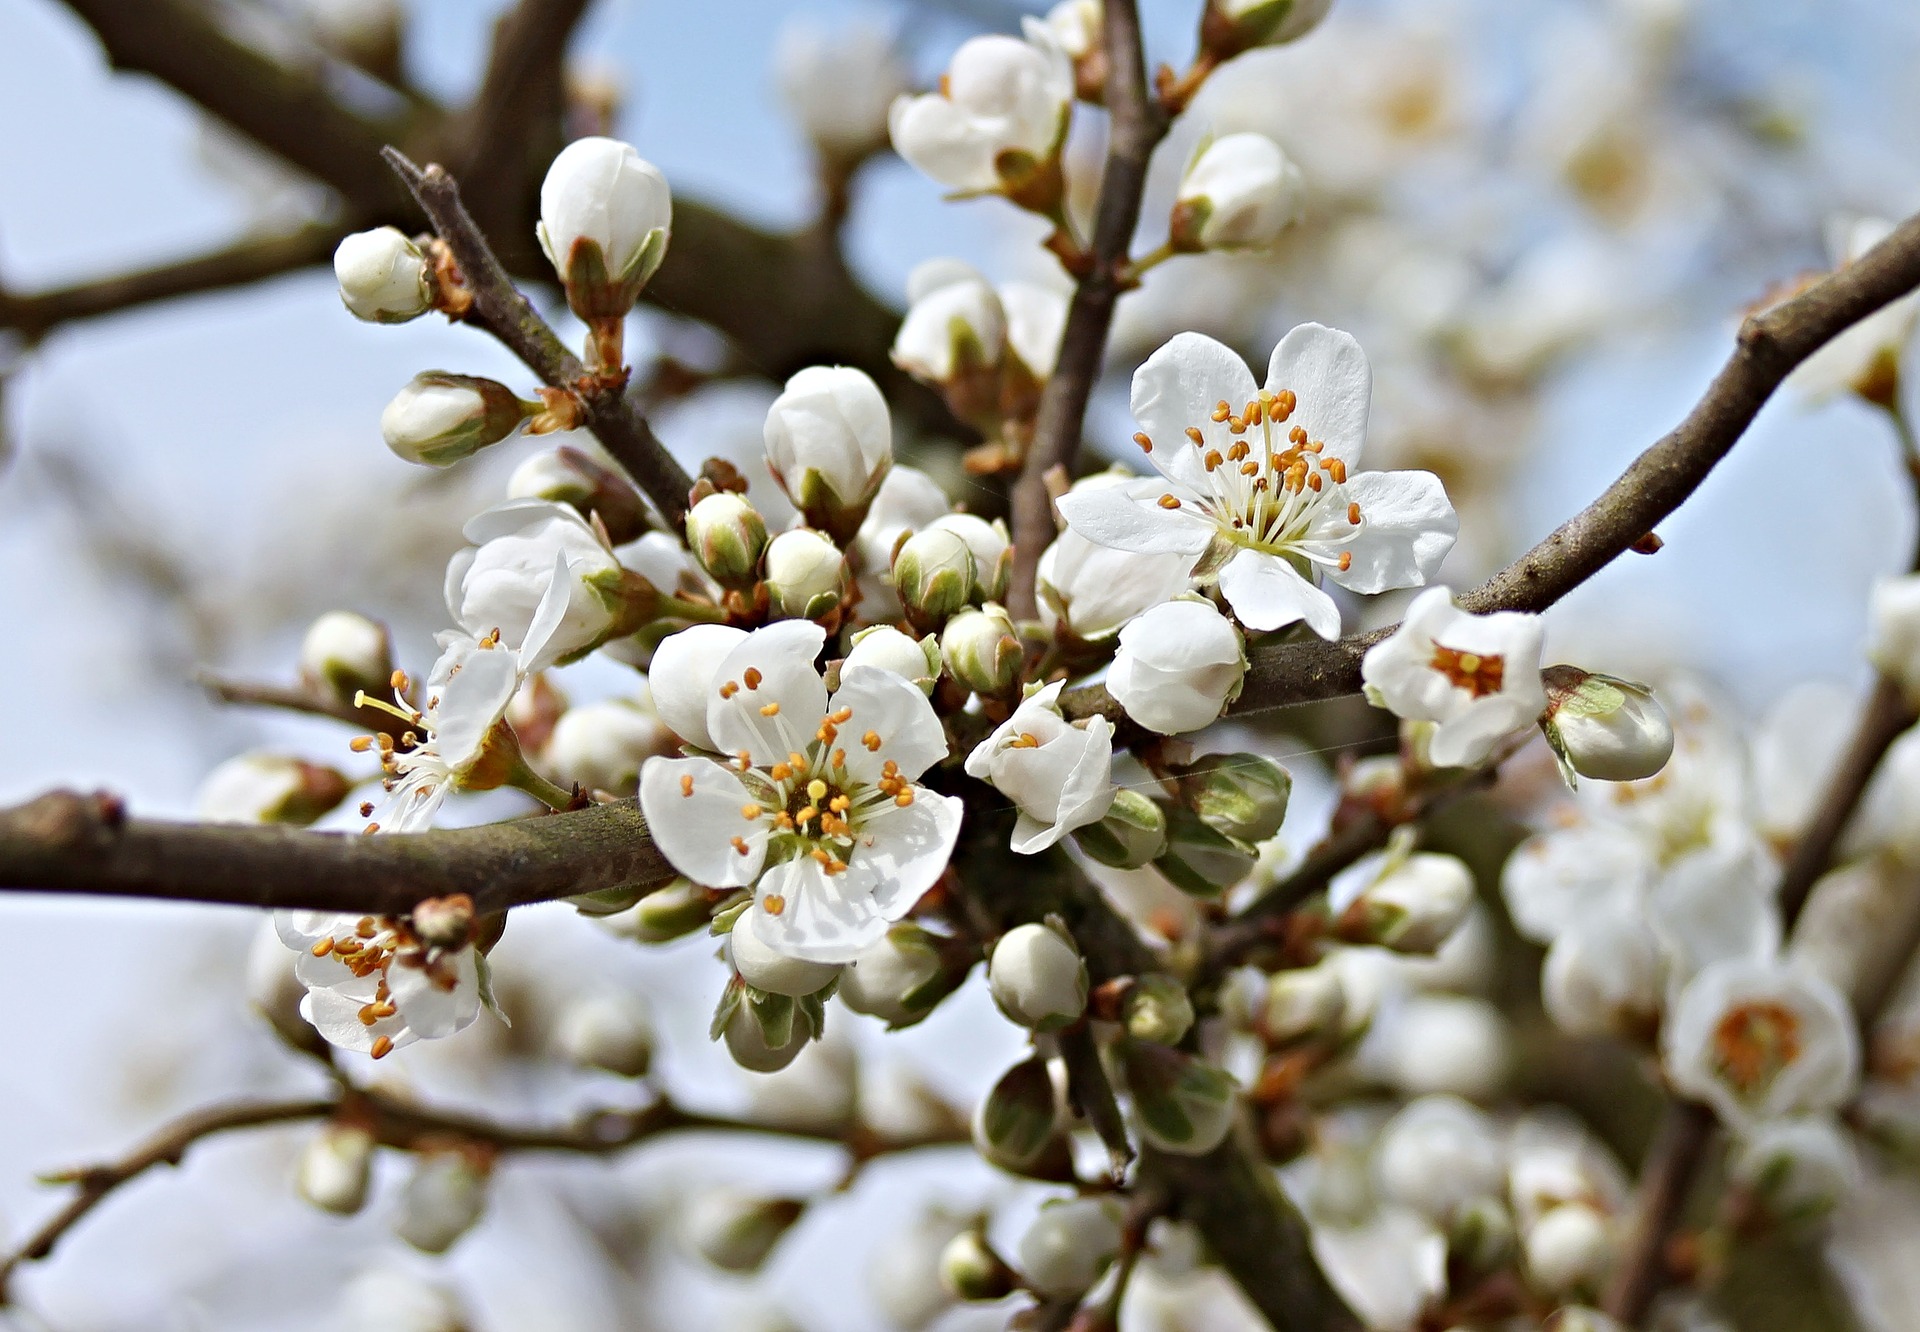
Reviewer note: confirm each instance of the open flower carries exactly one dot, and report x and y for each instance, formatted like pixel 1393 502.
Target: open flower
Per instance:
pixel 1058 773
pixel 496 585
pixel 1478 676
pixel 1259 490
pixel 374 985
pixel 817 808
pixel 999 117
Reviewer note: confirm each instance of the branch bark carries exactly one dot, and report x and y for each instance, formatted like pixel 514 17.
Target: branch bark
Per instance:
pixel 73 843
pixel 1138 125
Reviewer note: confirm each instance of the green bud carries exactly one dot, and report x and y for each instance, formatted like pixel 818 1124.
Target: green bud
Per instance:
pixel 1017 1125
pixel 982 651
pixel 736 1231
pixel 1482 1236
pixel 1241 795
pixel 1180 1104
pixel 1230 27
pixel 1607 729
pixel 728 537
pixel 669 913
pixel 1157 1008
pixel 933 575
pixel 1133 832
pixel 806 574
pixel 971 1270
pixel 1198 859
pixel 440 418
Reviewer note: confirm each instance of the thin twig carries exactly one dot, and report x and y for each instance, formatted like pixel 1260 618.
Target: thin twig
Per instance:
pixel 1666 1181
pixel 293 698
pixel 500 309
pixel 1138 124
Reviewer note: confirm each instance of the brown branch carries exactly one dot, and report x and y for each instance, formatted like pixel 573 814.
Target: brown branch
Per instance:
pixel 500 309
pixel 294 698
pixel 1769 346
pixel 72 843
pixel 1138 125
pixel 1666 1180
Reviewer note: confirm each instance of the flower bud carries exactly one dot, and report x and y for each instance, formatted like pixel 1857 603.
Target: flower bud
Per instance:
pixel 1305 1001
pixel 1438 1154
pixel 443 1197
pixel 765 1038
pixel 1240 193
pixel 1200 860
pixel 829 444
pixel 612 1030
pixel 1037 977
pixel 1482 1235
pixel 383 277
pixel 954 338
pixel 991 548
pixel 903 1269
pixel 335 1168
pixel 1241 795
pixel 997 123
pixel 1604 976
pixel 1580 1318
pixel 1800 1168
pixel 270 788
pixel 933 576
pixel 1178 667
pixel 605 217
pixel 1893 630
pixel 601 746
pixel 890 650
pixel 1232 26
pixel 971 1270
pixel 728 536
pixel 770 971
pixel 1016 1125
pixel 982 651
pixel 1133 832
pixel 391 1299
pixel 440 418
pixel 1412 906
pixel 1157 1008
pixel 1568 1249
pixel 566 475
pixel 736 1231
pixel 344 654
pixel 1069 1245
pixel 899 978
pixel 806 574
pixel 1180 1104
pixel 840 84
pixel 664 915
pixel 1606 729
pixel 276 991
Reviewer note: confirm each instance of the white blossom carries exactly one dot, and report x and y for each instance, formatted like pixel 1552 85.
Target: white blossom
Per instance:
pixel 1799 1166
pixel 610 1029
pixel 990 546
pixel 1568 1249
pixel 1387 1267
pixel 602 746
pixel 1476 676
pixel 840 84
pixel 886 972
pixel 806 573
pixel 335 1167
pixel 443 1198
pixel 1603 976
pixel 955 324
pixel 1036 317
pixel 1178 666
pixel 683 666
pixel 1893 630
pixel 1438 1154
pixel 764 968
pixel 605 217
pixel 884 646
pixel 1090 590
pixel 908 500
pixel 1257 485
pixel 1003 100
pixel 830 429
pixel 1864 358
pixel 268 788
pixel 497 585
pixel 1037 977
pixel 383 276
pixel 1070 1244
pixel 1058 773
pixel 440 418
pixel 1410 903
pixel 387 1299
pixel 818 809
pixel 1240 193
pixel 343 652
pixel 373 985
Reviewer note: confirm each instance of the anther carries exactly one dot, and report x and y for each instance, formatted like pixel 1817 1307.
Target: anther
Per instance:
pixel 1296 436
pixel 399 682
pixel 1353 513
pixel 1144 441
pixel 1346 560
pixel 686 784
pixel 1336 469
pixel 322 948
pixel 752 677
pixel 1221 411
pixel 1169 502
pixel 839 759
pixel 740 845
pixel 1213 459
pixel 360 744
pixel 382 1047
pixel 780 772
pixel 743 759
pixel 729 689
pixel 1193 433
pixel 751 811
pixel 769 709
pixel 872 742
pixel 773 904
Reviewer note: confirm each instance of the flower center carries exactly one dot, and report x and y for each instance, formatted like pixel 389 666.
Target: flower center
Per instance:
pixel 1479 674
pixel 373 947
pixel 1753 1043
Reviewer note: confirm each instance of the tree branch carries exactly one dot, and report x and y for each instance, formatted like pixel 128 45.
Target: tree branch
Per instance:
pixel 500 309
pixel 1769 346
pixel 293 698
pixel 1138 125
pixel 72 843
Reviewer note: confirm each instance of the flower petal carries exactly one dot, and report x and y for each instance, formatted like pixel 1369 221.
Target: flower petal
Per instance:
pixel 1332 385
pixel 431 1008
pixel 682 677
pixel 1178 388
pixel 771 669
pixel 1111 517
pixel 1266 593
pixel 1407 526
pixel 897 714
pixel 694 822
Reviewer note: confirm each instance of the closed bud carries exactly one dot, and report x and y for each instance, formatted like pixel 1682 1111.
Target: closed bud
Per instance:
pixel 440 418
pixel 1232 26
pixel 829 444
pixel 1303 1002
pixel 991 548
pixel 383 277
pixel 612 1030
pixel 1412 906
pixel 971 1270
pixel 1568 1250
pixel 773 972
pixel 444 1196
pixel 1799 1168
pixel 1180 1104
pixel 840 84
pixel 1157 1008
pixel 566 475
pixel 1037 977
pixel 983 652
pixel 1070 1244
pixel 1199 859
pixel 1482 1236
pixel 766 1037
pixel 270 788
pixel 390 1299
pixel 605 217
pixel 736 1231
pixel 933 576
pixel 1017 1124
pixel 1240 193
pixel 954 337
pixel 1133 832
pixel 806 574
pixel 1581 1318
pixel 344 654
pixel 335 1168
pixel 602 746
pixel 1241 795
pixel 1606 729
pixel 899 978
pixel 728 536
pixel 1438 1154
pixel 884 646
pixel 664 915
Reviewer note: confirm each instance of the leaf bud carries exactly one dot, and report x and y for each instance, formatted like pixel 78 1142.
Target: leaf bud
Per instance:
pixel 1607 729
pixel 1017 1125
pixel 1132 832
pixel 806 574
pixel 735 1231
pixel 384 279
pixel 666 914
pixel 1243 796
pixel 1037 977
pixel 982 651
pixel 1199 859
pixel 933 576
pixel 728 536
pixel 1180 1104
pixel 270 788
pixel 440 418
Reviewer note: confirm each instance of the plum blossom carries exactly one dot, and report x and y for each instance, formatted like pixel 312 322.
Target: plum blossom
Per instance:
pixel 1477 676
pixel 1058 773
pixel 1001 113
pixel 497 584
pixel 1258 489
pixel 817 810
pixel 374 985
pixel 1178 666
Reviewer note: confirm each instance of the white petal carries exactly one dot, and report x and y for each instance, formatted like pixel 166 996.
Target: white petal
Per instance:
pixel 682 676
pixel 430 1009
pixel 910 851
pixel 1332 384
pixel 337 1017
pixel 1179 387
pixel 891 708
pixel 1407 527
pixel 781 655
pixel 471 702
pixel 1110 517
pixel 695 832
pixel 1468 737
pixel 1266 593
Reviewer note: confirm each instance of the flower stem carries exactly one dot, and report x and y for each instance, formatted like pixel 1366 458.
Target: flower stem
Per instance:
pixel 524 778
pixel 1131 273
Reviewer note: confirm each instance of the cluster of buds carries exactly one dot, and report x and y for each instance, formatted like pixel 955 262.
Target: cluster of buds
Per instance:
pixel 1203 841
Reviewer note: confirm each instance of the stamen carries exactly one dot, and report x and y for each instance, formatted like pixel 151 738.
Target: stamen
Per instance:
pixel 752 677
pixel 1283 404
pixel 686 783
pixel 744 759
pixel 1144 441
pixel 773 904
pixel 769 709
pixel 1346 560
pixel 797 759
pixel 360 744
pixel 1296 436
pixel 780 772
pixel 839 759
pixel 751 812
pixel 1336 469
pixel 1193 433
pixel 1213 459
pixel 1025 740
pixel 729 689
pixel 1353 513
pixel 1249 469
pixel 322 948
pixel 382 1047
pixel 1169 502
pixel 872 742
pixel 1221 411
pixel 740 844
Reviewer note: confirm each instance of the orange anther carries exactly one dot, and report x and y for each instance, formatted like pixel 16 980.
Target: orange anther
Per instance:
pixel 1144 441
pixel 769 709
pixel 1169 502
pixel 1353 514
pixel 686 783
pixel 382 1047
pixel 752 677
pixel 773 904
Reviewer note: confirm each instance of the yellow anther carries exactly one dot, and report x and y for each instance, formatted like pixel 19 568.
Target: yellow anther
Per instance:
pixel 1353 513
pixel 773 904
pixel 751 811
pixel 872 742
pixel 1213 459
pixel 360 744
pixel 740 844
pixel 1346 560
pixel 322 948
pixel 1169 502
pixel 729 689
pixel 1193 433
pixel 382 1047
pixel 769 709
pixel 686 783
pixel 780 772
pixel 1222 410
pixel 839 759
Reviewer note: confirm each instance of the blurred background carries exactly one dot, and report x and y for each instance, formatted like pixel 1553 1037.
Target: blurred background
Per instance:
pixel 1542 220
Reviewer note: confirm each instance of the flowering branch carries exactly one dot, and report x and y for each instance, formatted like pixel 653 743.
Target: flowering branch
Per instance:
pixel 1770 344
pixel 67 842
pixel 1138 125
